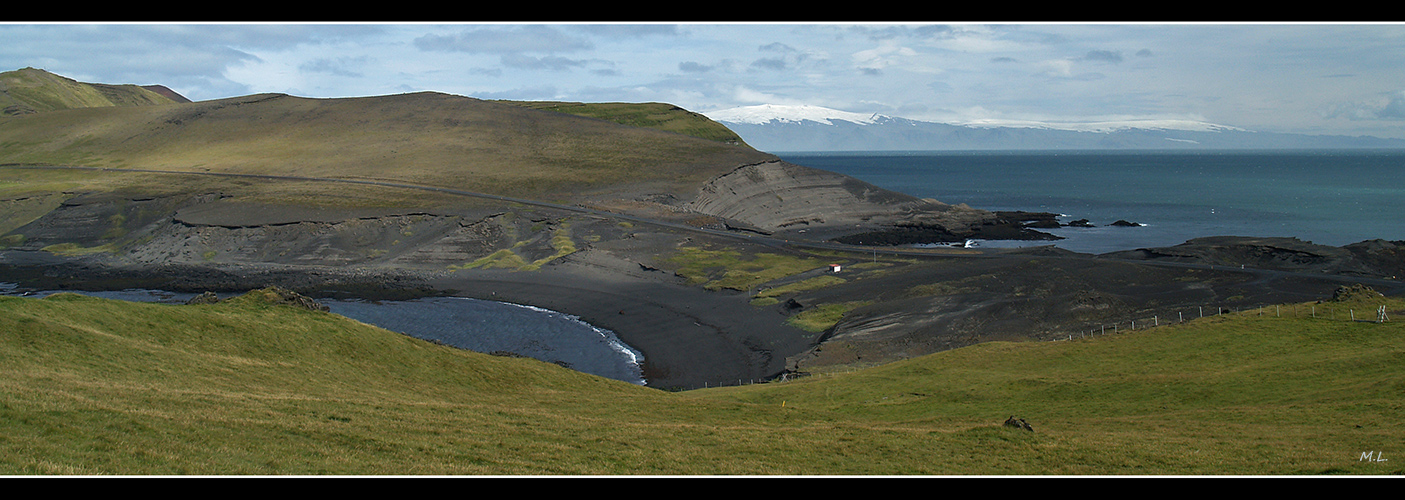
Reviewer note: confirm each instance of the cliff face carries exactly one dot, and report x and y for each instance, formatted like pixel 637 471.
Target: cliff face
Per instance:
pixel 775 195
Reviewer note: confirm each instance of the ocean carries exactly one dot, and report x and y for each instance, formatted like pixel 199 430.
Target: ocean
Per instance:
pixel 1326 197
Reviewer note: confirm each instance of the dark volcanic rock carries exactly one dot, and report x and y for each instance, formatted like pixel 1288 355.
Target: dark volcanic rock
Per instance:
pixel 916 234
pixel 204 298
pixel 1375 258
pixel 1041 220
pixel 1347 293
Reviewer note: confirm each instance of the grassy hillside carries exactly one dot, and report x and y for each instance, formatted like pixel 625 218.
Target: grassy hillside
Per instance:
pixel 31 90
pixel 423 138
pixel 654 115
pixel 93 386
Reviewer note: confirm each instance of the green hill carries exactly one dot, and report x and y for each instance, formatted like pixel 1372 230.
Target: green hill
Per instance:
pixel 422 138
pixel 247 386
pixel 654 115
pixel 31 90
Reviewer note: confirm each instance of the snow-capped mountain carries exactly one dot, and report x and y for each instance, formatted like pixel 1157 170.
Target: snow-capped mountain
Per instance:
pixel 777 128
pixel 761 114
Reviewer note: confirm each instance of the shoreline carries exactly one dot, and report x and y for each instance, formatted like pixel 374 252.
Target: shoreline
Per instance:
pixel 689 337
pixel 693 338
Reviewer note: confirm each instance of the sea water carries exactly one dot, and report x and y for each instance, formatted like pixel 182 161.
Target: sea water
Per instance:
pixel 477 325
pixel 491 327
pixel 1326 197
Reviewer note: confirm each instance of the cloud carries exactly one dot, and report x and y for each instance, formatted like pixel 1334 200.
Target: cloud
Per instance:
pixel 339 66
pixel 883 56
pixel 1104 56
pixel 693 67
pixel 771 63
pixel 553 63
pixel 497 40
pixel 1059 68
pixel 1391 107
pixel 777 47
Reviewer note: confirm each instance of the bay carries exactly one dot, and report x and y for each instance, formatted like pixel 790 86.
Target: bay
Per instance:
pixel 477 325
pixel 1327 197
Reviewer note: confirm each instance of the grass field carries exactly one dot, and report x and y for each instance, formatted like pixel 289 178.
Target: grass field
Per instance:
pixel 94 386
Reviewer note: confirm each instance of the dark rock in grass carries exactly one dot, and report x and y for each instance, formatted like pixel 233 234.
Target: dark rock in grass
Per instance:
pixel 204 298
pixel 283 296
pixel 1018 423
pixel 1347 293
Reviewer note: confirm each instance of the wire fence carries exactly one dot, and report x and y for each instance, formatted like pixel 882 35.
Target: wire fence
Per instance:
pixel 1324 311
pixel 1321 311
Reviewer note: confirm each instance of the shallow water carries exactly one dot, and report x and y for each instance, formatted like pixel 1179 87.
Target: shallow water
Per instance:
pixel 488 326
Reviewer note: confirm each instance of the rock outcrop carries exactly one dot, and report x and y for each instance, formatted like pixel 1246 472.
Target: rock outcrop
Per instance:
pixel 775 195
pixel 1375 258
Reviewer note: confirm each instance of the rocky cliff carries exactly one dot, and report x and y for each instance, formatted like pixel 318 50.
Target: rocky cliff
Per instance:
pixel 775 195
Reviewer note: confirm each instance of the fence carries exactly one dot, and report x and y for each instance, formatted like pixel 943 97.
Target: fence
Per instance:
pixel 1324 311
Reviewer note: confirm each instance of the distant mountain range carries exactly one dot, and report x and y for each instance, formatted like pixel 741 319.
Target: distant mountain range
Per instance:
pixel 778 128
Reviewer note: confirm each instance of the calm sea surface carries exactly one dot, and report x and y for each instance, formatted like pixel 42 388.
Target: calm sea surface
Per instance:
pixel 1326 197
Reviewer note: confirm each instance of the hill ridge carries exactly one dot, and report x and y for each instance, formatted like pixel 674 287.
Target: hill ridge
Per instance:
pixel 32 90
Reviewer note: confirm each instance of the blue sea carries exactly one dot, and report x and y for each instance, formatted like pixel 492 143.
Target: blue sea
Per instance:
pixel 1326 197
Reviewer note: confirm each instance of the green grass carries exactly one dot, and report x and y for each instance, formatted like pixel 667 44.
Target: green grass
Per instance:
pixel 654 115
pixel 725 268
pixel 94 386
pixel 33 90
pixel 422 138
pixel 815 283
pixel 823 316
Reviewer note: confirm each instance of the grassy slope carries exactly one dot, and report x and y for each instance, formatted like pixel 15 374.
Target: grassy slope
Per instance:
pixel 424 138
pixel 92 386
pixel 655 115
pixel 31 90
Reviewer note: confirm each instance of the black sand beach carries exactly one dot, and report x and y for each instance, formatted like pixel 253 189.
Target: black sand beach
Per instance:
pixel 690 337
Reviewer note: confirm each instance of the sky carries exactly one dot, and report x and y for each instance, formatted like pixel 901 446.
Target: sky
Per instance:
pixel 1315 78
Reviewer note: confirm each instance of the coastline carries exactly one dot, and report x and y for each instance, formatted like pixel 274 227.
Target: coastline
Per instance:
pixel 689 337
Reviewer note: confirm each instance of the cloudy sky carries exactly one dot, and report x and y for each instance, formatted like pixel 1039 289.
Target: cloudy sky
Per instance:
pixel 1320 78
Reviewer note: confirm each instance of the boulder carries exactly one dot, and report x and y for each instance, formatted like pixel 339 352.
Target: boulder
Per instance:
pixel 204 298
pixel 1018 423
